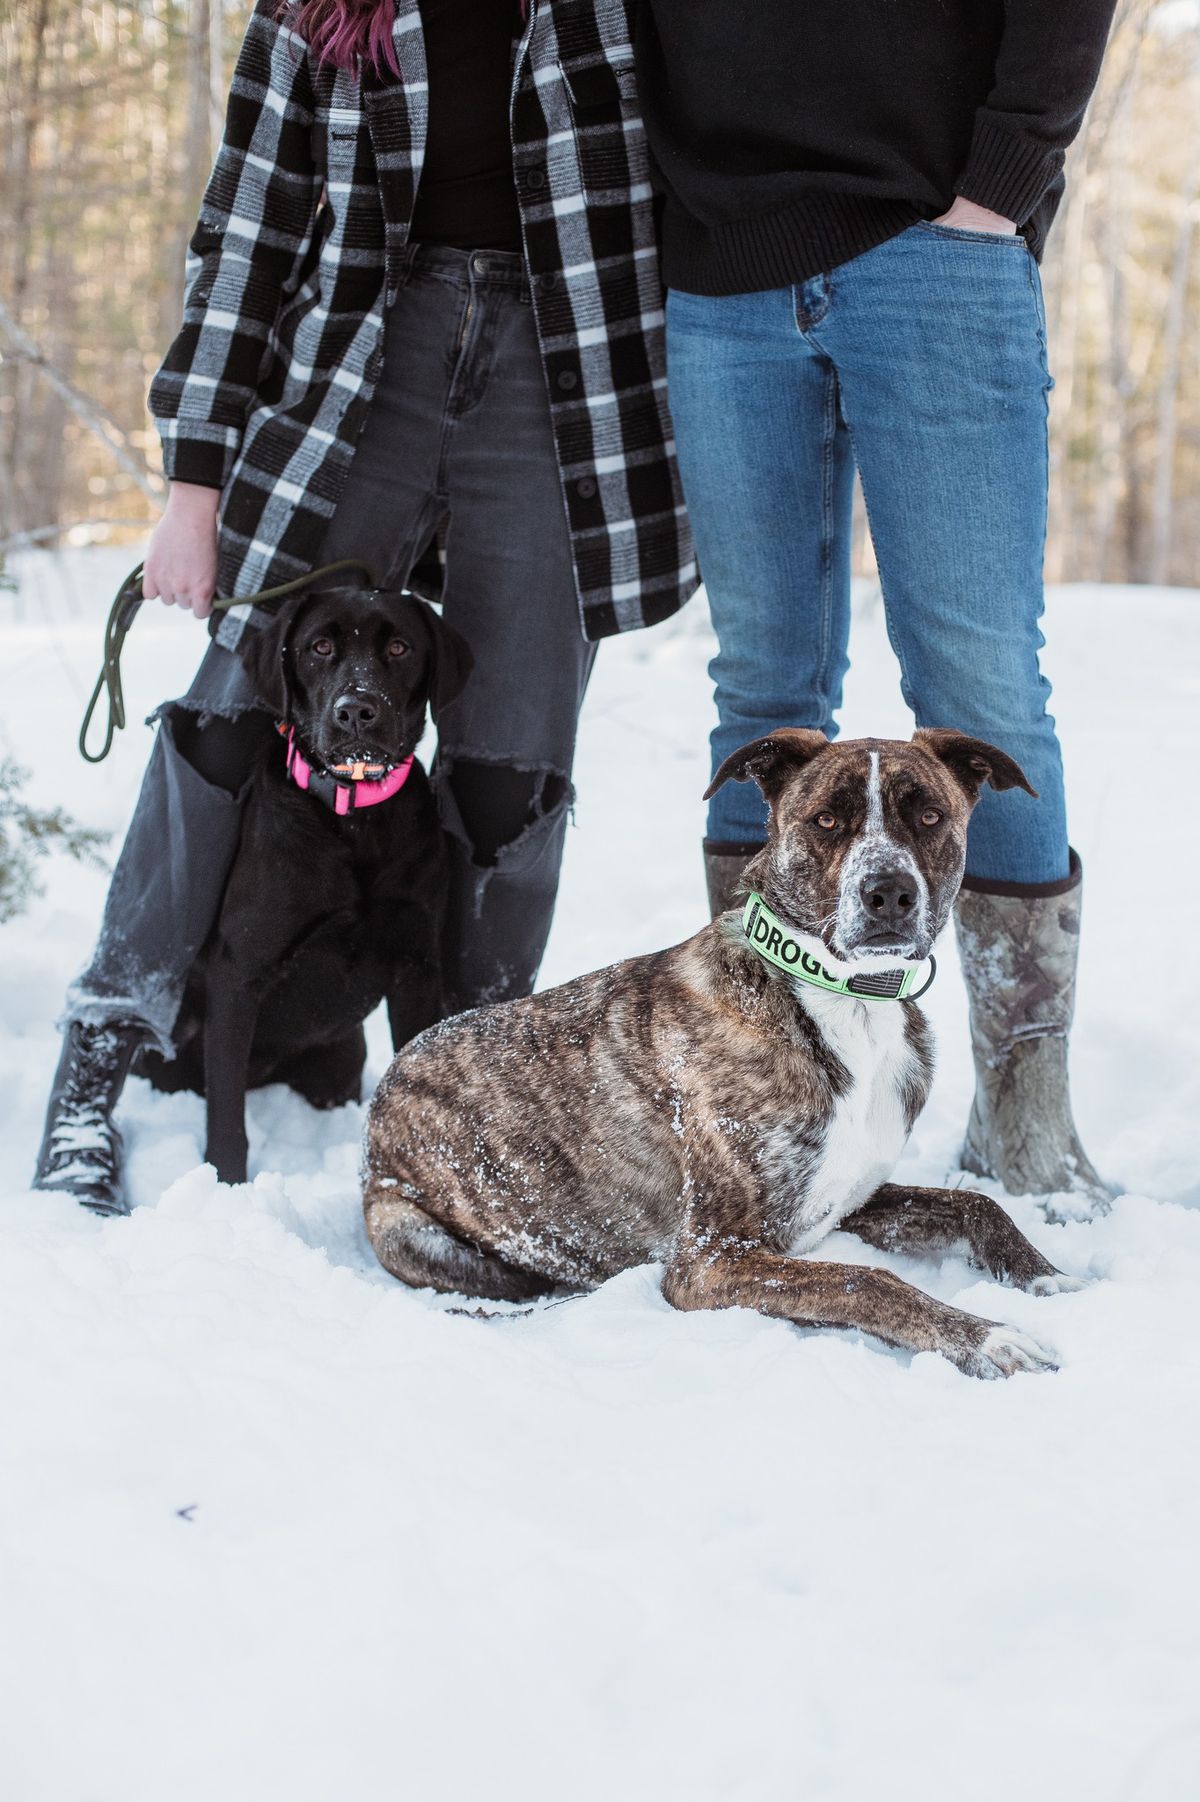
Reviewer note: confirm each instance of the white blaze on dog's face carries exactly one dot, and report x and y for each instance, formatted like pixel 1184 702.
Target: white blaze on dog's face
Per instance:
pixel 867 839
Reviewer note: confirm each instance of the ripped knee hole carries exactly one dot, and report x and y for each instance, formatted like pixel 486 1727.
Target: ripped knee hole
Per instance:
pixel 498 802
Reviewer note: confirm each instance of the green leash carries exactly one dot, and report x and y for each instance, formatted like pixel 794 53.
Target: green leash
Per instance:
pixel 776 944
pixel 121 616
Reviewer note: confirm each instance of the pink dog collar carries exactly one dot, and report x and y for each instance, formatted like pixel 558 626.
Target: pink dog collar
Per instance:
pixel 355 789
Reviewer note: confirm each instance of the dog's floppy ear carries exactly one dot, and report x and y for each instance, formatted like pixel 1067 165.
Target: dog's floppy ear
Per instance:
pixel 450 659
pixel 264 653
pixel 770 761
pixel 972 761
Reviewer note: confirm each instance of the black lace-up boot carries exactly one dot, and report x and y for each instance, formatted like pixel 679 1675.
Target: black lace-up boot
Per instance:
pixel 81 1147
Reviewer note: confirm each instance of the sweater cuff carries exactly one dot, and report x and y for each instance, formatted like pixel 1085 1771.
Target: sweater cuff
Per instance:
pixel 1007 171
pixel 192 460
pixel 197 450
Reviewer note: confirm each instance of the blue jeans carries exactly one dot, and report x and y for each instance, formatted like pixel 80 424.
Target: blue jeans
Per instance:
pixel 923 363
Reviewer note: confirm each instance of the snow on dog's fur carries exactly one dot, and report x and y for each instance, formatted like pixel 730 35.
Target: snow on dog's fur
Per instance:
pixel 705 1109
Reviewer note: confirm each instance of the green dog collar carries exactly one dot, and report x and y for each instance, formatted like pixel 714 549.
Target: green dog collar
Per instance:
pixel 766 934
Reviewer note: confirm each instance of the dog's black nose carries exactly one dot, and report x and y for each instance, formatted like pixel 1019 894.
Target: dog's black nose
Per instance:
pixel 888 895
pixel 355 711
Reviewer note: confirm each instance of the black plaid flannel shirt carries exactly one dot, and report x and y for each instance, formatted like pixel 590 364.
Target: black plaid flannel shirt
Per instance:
pixel 299 248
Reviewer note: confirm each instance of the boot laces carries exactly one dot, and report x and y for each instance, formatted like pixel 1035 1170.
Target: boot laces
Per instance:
pixel 84 1139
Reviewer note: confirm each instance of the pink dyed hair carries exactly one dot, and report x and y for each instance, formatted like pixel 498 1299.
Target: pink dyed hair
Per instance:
pixel 349 33
pixel 346 33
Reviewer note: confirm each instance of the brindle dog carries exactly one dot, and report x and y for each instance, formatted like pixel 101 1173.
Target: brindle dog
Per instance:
pixel 704 1108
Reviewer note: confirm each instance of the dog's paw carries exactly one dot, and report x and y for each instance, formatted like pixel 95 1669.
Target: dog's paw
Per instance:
pixel 1003 1352
pixel 1057 1283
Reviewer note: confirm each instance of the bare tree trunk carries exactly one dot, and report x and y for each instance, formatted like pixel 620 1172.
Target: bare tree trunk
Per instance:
pixel 197 145
pixel 1115 426
pixel 21 255
pixel 1066 279
pixel 1095 402
pixel 1168 386
pixel 216 76
pixel 197 139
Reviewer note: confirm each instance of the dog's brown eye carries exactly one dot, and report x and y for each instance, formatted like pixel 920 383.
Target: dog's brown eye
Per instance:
pixel 322 647
pixel 827 821
pixel 398 648
pixel 931 817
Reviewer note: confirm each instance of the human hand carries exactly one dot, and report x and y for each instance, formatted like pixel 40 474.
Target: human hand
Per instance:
pixel 181 563
pixel 965 216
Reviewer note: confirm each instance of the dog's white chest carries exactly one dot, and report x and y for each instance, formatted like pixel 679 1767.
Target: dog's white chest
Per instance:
pixel 867 1126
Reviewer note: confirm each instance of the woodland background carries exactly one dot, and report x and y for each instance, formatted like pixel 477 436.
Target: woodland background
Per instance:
pixel 109 118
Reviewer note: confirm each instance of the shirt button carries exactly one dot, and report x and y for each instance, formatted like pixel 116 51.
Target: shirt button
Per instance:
pixel 548 283
pixel 567 379
pixel 535 179
pixel 586 488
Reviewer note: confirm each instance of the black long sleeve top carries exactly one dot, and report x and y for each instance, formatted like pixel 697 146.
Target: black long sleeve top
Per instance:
pixel 788 136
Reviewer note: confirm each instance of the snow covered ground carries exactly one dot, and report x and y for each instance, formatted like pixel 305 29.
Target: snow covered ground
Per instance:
pixel 274 1526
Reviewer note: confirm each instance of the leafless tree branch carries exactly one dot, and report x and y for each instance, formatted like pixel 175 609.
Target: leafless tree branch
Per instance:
pixel 94 417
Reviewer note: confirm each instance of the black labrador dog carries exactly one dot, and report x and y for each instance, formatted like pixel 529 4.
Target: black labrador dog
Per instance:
pixel 335 899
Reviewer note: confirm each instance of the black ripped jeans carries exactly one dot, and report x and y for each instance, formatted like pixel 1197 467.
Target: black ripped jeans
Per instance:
pixel 458 439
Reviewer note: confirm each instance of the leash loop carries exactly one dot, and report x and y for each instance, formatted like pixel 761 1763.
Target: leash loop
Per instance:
pixel 122 614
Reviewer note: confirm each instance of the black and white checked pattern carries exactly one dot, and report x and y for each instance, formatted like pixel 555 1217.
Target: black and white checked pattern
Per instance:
pixel 301 242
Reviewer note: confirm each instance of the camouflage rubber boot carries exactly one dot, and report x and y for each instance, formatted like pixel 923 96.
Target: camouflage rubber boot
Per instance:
pixel 723 867
pixel 1019 954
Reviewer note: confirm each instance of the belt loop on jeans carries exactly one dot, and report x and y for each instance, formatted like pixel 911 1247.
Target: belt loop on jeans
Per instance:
pixel 480 266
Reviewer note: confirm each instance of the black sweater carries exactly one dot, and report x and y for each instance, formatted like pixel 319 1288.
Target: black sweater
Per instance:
pixel 790 135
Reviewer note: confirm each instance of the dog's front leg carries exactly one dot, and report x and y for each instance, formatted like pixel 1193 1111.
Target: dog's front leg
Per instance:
pixel 708 1271
pixel 935 1222
pixel 414 1000
pixel 231 1012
